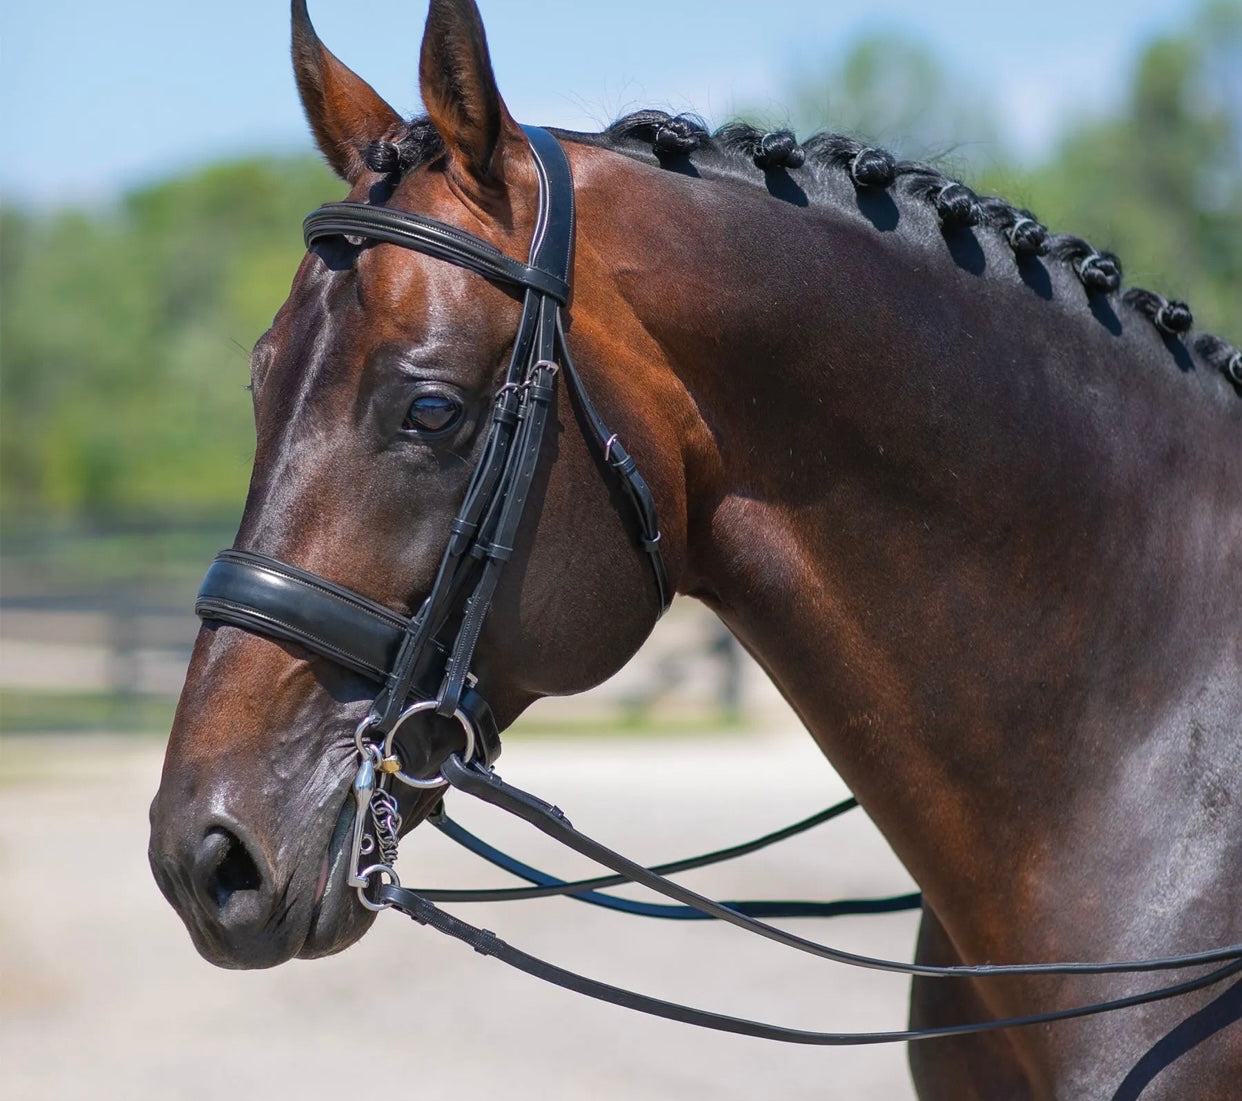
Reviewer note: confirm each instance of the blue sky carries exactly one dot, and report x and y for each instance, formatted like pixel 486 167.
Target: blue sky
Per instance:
pixel 97 96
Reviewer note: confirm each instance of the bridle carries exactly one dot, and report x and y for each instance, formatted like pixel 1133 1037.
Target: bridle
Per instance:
pixel 423 663
pixel 427 658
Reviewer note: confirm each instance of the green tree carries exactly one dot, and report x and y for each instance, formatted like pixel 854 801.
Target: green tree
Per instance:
pixel 1160 182
pixel 125 336
pixel 892 90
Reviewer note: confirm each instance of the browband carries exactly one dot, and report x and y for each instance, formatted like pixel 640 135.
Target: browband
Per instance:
pixel 551 248
pixel 444 242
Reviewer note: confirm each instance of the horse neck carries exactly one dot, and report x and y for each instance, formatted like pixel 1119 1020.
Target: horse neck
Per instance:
pixel 980 530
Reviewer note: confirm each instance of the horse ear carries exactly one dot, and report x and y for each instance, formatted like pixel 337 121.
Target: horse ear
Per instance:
pixel 459 91
pixel 345 113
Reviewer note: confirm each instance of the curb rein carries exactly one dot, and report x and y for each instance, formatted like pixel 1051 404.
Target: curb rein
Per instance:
pixel 423 658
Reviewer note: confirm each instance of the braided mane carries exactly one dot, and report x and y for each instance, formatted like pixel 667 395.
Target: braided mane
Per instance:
pixel 672 138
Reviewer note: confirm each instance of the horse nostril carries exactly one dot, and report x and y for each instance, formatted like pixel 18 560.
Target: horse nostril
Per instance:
pixel 228 865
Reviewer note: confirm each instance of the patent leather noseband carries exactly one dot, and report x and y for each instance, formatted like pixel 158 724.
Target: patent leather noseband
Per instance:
pixel 426 659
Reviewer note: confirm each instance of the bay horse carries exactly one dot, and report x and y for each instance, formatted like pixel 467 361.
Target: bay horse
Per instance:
pixel 975 510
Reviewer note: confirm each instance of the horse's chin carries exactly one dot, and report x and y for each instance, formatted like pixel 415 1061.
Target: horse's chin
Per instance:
pixel 336 925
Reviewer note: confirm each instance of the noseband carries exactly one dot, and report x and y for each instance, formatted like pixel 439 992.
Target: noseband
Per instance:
pixel 423 662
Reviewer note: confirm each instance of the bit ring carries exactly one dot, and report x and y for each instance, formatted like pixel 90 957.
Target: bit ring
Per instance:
pixel 417 709
pixel 366 873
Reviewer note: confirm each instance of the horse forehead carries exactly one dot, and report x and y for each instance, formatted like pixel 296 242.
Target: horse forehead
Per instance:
pixel 337 316
pixel 407 290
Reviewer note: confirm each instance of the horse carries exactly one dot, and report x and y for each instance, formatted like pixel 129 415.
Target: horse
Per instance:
pixel 974 508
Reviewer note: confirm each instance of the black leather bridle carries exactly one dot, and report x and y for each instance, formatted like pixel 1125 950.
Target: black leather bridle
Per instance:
pixel 426 658
pixel 422 663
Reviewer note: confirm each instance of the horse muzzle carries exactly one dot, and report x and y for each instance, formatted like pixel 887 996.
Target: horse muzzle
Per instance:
pixel 241 908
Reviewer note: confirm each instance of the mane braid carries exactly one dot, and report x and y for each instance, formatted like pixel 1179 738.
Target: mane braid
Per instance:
pixel 419 145
pixel 673 138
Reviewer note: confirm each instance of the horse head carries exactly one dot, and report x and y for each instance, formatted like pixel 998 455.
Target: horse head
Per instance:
pixel 375 391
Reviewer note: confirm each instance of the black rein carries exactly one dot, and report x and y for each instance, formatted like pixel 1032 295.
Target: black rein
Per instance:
pixel 485 785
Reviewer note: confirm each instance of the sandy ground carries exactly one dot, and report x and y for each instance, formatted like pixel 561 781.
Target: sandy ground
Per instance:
pixel 103 997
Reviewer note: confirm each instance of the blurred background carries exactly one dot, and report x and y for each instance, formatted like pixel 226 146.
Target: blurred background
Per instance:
pixel 155 173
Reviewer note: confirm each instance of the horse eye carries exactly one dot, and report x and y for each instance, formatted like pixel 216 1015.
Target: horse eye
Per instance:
pixel 433 413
